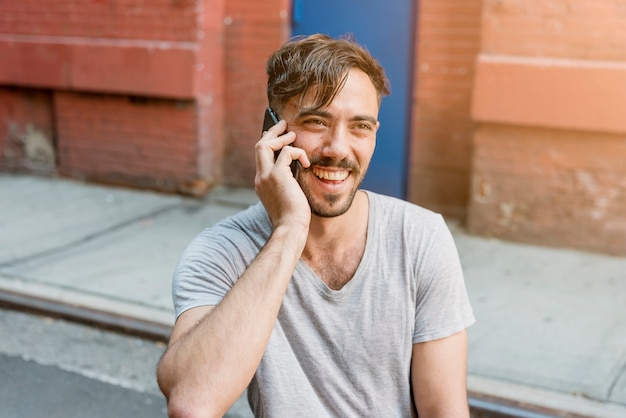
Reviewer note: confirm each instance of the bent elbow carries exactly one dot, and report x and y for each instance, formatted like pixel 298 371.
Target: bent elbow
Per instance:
pixel 164 380
pixel 176 409
pixel 186 399
pixel 183 407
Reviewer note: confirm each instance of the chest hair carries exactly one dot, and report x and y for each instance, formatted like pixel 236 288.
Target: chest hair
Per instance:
pixel 336 269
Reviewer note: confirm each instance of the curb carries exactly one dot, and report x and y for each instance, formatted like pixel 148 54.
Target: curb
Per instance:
pixel 119 316
pixel 517 400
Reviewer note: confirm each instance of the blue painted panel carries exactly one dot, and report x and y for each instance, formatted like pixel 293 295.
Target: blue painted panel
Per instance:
pixel 386 29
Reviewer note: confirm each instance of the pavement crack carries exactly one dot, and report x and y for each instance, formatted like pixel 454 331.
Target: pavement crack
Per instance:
pixel 89 237
pixel 618 376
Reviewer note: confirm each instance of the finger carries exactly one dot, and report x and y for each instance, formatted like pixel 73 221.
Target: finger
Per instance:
pixel 278 144
pixel 268 145
pixel 276 129
pixel 290 154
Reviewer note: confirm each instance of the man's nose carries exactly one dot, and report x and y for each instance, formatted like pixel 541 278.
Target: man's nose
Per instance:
pixel 336 143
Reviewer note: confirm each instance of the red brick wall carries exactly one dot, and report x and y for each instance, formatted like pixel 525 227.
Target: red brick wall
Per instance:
pixel 27 134
pixel 209 53
pixel 210 96
pixel 145 142
pixel 154 71
pixel 167 20
pixel 549 94
pixel 448 40
pixel 560 188
pixel 581 29
pixel 253 31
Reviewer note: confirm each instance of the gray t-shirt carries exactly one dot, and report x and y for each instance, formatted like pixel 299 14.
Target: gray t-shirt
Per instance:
pixel 340 352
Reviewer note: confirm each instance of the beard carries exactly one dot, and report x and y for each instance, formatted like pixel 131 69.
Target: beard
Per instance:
pixel 330 205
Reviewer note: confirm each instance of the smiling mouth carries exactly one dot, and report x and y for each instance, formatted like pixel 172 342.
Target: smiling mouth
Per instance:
pixel 330 175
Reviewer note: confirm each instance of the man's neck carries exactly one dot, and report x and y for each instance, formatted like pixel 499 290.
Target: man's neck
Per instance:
pixel 340 231
pixel 335 246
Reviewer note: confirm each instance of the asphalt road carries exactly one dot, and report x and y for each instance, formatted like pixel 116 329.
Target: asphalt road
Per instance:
pixel 55 368
pixel 30 389
pixel 52 368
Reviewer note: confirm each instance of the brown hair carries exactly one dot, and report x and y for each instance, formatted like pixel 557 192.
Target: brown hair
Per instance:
pixel 321 63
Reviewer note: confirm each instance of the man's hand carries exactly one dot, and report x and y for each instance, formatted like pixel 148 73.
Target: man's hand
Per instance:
pixel 274 183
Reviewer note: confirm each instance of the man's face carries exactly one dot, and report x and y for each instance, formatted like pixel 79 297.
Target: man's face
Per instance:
pixel 339 141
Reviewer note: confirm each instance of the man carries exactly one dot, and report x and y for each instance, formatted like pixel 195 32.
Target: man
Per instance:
pixel 323 299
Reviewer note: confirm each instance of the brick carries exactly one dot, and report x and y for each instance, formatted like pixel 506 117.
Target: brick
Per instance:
pixel 253 32
pixel 144 143
pixel 27 137
pixel 448 41
pixel 142 68
pixel 569 94
pixel 443 185
pixel 164 61
pixel 164 20
pixel 548 154
pixel 550 187
pixel 585 29
pixel 33 64
pixel 161 70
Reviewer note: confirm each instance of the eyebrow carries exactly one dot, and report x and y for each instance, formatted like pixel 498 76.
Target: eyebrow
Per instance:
pixel 328 115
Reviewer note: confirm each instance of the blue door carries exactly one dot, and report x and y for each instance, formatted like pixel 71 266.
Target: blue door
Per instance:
pixel 386 29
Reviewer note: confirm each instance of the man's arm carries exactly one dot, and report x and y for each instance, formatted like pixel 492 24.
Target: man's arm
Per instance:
pixel 214 351
pixel 439 377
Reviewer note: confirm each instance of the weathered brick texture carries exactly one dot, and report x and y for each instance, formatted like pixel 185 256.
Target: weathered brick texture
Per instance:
pixel 27 135
pixel 253 31
pixel 138 86
pixel 549 151
pixel 167 20
pixel 576 29
pixel 553 187
pixel 211 53
pixel 448 39
pixel 114 139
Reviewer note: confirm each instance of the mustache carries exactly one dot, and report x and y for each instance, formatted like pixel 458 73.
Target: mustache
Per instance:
pixel 331 162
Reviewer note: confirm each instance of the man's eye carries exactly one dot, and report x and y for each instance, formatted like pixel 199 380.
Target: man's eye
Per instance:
pixel 364 126
pixel 318 122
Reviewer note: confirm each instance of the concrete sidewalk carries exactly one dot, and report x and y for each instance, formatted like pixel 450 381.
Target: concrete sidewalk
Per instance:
pixel 551 323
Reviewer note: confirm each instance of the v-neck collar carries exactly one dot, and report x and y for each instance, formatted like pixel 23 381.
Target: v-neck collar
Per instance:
pixel 354 282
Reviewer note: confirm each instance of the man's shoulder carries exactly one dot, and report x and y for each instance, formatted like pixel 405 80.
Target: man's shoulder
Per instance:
pixel 393 205
pixel 236 237
pixel 253 214
pixel 251 222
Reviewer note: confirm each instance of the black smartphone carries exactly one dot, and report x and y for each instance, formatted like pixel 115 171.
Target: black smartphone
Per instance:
pixel 270 119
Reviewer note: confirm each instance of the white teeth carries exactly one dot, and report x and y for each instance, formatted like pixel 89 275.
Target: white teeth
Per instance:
pixel 330 175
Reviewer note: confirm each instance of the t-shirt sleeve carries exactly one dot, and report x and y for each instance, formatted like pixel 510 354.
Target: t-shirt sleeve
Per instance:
pixel 442 304
pixel 205 273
